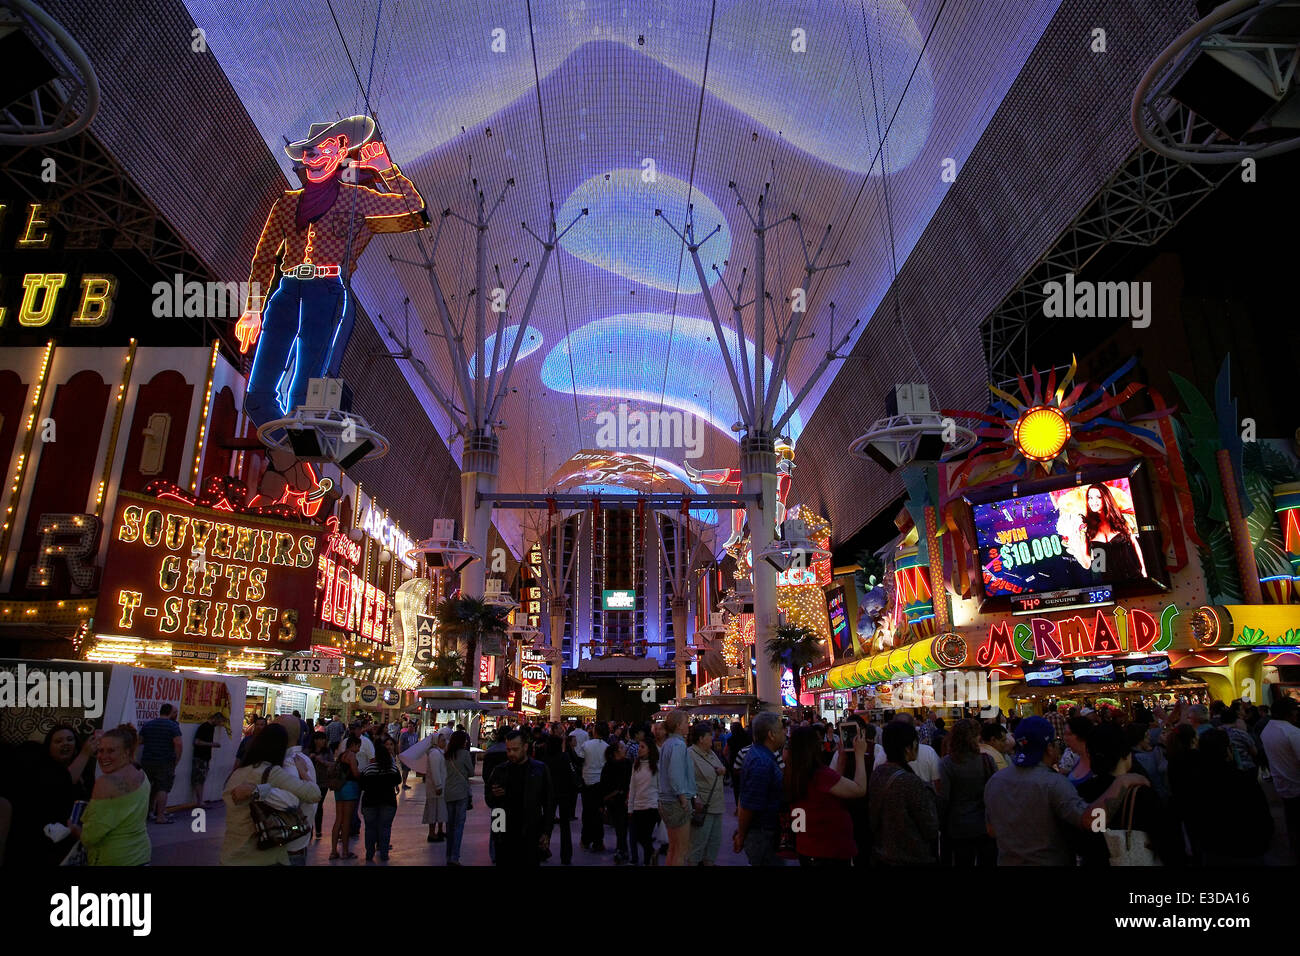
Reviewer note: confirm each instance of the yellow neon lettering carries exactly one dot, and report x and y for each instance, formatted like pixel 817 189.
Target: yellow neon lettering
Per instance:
pixel 130 529
pixel 35 283
pixel 171 621
pixel 169 573
pixel 97 295
pixel 128 601
pixel 35 221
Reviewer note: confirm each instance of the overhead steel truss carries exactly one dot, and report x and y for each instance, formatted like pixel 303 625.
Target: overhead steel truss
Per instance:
pixel 1146 197
pixel 655 502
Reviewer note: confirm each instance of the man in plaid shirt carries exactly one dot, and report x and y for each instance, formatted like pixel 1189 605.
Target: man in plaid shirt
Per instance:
pixel 1056 720
pixel 317 233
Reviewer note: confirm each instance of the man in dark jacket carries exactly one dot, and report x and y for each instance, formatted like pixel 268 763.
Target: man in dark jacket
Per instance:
pixel 522 788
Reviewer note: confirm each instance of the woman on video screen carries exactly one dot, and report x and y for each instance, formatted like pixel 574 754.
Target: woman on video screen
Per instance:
pixel 1107 532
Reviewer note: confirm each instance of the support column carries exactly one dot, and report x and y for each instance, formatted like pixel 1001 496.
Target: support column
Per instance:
pixel 679 608
pixel 557 608
pixel 478 476
pixel 758 470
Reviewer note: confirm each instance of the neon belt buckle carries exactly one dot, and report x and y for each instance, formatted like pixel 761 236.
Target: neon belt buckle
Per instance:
pixel 305 271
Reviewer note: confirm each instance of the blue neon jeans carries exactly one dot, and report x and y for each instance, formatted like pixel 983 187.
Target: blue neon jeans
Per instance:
pixel 305 329
pixel 456 810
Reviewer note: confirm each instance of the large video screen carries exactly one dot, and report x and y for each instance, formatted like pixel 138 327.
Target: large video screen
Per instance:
pixel 1072 537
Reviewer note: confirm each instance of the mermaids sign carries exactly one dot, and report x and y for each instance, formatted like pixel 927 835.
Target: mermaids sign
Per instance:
pixel 1115 631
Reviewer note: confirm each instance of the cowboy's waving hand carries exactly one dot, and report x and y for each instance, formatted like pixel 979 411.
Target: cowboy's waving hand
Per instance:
pixel 375 156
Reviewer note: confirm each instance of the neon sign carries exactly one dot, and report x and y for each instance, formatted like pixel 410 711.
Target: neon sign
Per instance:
pixel 183 573
pixel 40 296
pixel 384 531
pixel 344 599
pixel 1117 631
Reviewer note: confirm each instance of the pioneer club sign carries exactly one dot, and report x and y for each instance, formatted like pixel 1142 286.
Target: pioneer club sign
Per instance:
pixel 199 576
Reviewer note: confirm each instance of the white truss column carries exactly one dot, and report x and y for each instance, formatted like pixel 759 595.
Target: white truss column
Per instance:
pixel 758 476
pixel 478 475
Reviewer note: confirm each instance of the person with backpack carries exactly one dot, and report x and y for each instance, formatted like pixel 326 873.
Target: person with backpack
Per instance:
pixel 963 773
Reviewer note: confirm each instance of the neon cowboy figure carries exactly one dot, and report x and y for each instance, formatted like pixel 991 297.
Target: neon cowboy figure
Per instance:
pixel 321 229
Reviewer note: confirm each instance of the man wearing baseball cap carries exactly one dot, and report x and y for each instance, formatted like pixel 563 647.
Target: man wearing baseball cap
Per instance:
pixel 1029 808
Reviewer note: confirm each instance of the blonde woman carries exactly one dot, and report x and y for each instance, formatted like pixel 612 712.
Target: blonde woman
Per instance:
pixel 113 826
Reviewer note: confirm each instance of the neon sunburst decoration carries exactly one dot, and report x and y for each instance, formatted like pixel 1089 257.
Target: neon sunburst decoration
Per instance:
pixel 1057 422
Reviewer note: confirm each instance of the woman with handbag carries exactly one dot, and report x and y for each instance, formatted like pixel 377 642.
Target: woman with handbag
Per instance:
pixel 963 773
pixel 459 768
pixel 257 829
pixel 1143 833
pixel 707 809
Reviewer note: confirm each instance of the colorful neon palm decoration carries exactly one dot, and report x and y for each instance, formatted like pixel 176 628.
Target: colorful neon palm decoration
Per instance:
pixel 913 593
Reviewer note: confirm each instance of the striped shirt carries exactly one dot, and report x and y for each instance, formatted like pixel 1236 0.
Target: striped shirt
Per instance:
pixel 744 752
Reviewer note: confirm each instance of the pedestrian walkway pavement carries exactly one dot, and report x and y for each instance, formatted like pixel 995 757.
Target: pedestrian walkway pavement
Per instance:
pixel 177 844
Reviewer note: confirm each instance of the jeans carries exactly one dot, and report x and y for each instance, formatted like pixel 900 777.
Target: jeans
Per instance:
pixel 643 833
pixel 1291 811
pixel 379 828
pixel 306 325
pixel 320 815
pixel 706 841
pixel 456 810
pixel 298 857
pixel 761 846
pixel 971 851
pixel 565 808
pixel 593 823
pixel 618 817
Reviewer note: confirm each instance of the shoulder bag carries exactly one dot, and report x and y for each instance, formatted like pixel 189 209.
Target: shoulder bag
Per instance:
pixel 275 827
pixel 700 811
pixel 468 787
pixel 1127 846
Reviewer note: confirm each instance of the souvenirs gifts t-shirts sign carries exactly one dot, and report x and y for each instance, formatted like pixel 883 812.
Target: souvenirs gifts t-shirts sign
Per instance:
pixel 176 572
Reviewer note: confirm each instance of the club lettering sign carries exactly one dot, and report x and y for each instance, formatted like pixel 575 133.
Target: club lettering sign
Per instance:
pixel 182 573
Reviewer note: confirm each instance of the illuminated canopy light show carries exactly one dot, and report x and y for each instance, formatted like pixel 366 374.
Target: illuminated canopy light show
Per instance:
pixel 619 94
pixel 746 432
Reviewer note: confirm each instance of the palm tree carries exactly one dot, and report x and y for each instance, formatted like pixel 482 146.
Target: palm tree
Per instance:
pixel 447 668
pixel 795 647
pixel 479 623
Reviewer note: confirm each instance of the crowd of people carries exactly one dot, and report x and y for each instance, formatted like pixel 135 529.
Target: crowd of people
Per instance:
pixel 1092 787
